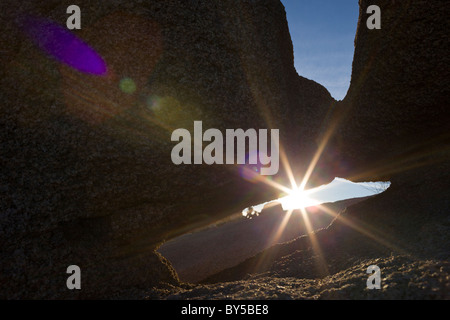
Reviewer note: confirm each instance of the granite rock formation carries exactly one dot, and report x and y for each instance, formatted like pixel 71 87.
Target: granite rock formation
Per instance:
pixel 396 113
pixel 392 125
pixel 86 175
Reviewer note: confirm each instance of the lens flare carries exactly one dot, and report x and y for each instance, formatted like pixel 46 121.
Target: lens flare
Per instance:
pixel 251 171
pixel 127 85
pixel 63 45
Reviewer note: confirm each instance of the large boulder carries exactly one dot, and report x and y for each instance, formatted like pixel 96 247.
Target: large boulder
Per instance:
pixel 392 125
pixel 395 115
pixel 86 175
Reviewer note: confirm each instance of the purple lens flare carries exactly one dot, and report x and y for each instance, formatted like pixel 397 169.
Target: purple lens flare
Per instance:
pixel 251 171
pixel 63 45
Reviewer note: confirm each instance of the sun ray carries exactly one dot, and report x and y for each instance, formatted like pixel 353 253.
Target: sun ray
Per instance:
pixel 266 257
pixel 287 168
pixel 274 239
pixel 267 181
pixel 415 159
pixel 321 262
pixel 374 234
pixel 323 143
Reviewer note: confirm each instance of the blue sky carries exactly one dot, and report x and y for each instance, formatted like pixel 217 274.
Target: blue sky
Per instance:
pixel 323 33
pixel 341 189
pixel 338 189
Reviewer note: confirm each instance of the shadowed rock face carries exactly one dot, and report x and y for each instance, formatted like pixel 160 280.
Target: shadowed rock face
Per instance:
pixel 393 124
pixel 86 175
pixel 396 113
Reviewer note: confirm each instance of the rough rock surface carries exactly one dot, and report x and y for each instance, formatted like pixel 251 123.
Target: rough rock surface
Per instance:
pixel 394 222
pixel 395 115
pixel 86 175
pixel 402 278
pixel 393 125
pixel 200 254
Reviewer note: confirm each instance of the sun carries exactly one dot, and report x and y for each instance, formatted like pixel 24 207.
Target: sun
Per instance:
pixel 298 199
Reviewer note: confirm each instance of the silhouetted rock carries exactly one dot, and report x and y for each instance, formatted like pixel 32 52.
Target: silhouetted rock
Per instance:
pixel 87 178
pixel 396 113
pixel 392 125
pixel 86 175
pixel 200 254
